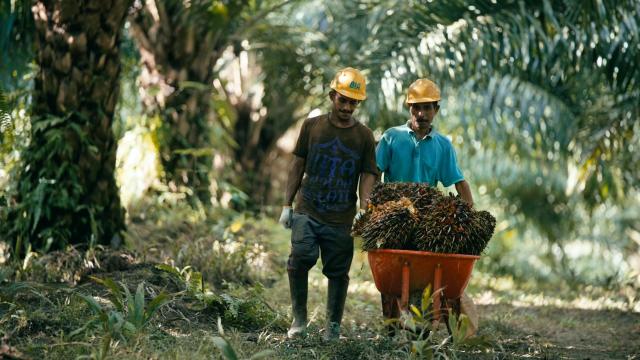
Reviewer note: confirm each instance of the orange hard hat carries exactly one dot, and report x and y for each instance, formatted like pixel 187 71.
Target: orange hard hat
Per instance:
pixel 350 83
pixel 423 90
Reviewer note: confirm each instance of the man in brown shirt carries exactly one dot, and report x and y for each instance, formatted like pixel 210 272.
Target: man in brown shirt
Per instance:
pixel 333 156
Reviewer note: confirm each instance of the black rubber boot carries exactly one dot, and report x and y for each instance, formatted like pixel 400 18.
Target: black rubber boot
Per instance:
pixel 298 286
pixel 337 295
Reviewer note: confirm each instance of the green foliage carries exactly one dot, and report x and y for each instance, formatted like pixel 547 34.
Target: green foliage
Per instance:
pixel 9 291
pixel 248 309
pixel 549 83
pixel 6 142
pixel 231 257
pixel 524 321
pixel 226 247
pixel 16 53
pixel 192 279
pixel 230 354
pixel 227 350
pixel 129 317
pixel 6 128
pixel 417 329
pixel 242 308
pixel 65 191
pixel 187 136
pixel 50 188
pixel 194 288
pixel 14 137
pixel 537 99
pixel 16 42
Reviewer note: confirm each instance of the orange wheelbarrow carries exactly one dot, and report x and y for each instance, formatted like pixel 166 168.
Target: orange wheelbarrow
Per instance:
pixel 398 273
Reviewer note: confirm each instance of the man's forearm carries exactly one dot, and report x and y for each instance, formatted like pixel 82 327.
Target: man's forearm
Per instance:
pixel 464 191
pixel 367 181
pixel 294 179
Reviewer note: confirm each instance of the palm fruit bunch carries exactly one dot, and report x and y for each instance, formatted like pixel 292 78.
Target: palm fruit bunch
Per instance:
pixel 482 226
pixel 389 225
pixel 446 227
pixel 420 194
pixel 362 221
pixel 429 221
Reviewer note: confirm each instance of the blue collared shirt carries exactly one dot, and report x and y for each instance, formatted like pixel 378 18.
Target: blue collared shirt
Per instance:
pixel 404 158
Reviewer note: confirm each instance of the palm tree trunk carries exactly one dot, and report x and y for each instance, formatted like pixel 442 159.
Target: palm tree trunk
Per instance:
pixel 178 54
pixel 256 140
pixel 67 191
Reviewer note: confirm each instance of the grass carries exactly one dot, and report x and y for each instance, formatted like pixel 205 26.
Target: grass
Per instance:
pixel 38 318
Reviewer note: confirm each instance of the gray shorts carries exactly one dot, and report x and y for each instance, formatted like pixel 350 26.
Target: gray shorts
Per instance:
pixel 311 238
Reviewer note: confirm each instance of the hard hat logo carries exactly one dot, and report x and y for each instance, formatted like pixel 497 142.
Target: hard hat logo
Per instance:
pixel 423 91
pixel 350 82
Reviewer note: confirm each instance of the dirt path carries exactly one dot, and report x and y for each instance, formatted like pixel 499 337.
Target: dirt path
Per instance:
pixel 563 333
pixel 514 332
pixel 518 323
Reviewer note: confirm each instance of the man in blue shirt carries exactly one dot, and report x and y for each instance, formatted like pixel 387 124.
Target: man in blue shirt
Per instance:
pixel 415 151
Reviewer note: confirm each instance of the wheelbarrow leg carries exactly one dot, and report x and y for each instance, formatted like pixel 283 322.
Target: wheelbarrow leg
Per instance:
pixel 437 294
pixel 462 305
pixel 390 308
pixel 404 298
pixel 454 306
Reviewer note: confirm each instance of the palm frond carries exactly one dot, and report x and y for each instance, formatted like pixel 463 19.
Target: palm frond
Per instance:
pixel 16 40
pixel 6 126
pixel 555 78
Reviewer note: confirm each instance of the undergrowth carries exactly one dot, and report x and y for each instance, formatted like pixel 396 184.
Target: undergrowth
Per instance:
pixel 115 313
pixel 201 284
pixel 225 246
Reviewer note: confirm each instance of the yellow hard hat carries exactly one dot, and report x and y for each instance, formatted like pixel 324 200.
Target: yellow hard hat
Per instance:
pixel 423 90
pixel 350 83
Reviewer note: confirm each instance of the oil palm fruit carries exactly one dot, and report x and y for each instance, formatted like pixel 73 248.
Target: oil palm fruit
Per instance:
pixel 390 225
pixel 414 216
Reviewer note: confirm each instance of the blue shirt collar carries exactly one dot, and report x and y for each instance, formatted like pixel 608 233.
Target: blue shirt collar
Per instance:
pixel 431 133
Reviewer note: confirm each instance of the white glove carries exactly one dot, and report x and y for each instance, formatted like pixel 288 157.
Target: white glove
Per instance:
pixel 285 217
pixel 359 214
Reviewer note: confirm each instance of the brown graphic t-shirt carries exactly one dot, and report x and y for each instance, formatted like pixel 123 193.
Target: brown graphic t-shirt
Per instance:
pixel 334 159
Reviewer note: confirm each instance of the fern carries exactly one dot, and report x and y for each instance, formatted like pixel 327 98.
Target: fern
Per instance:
pixel 6 126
